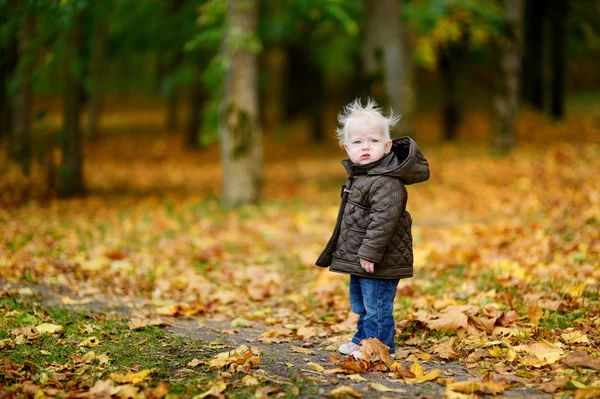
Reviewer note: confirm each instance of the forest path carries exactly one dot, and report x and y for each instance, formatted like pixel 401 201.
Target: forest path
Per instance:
pixel 282 362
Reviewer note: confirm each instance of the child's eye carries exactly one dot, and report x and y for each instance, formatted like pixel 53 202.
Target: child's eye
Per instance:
pixel 356 142
pixel 374 140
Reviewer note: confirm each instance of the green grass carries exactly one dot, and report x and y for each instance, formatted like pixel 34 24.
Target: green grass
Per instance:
pixel 44 358
pixel 148 348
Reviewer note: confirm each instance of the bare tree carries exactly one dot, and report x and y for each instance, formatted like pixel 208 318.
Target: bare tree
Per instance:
pixel 507 100
pixel 241 143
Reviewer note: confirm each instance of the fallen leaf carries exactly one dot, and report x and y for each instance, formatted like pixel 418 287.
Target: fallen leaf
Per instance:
pixel 383 388
pixel 65 300
pixel 298 349
pixel 131 377
pixel 357 377
pixel 239 357
pixel 575 337
pixel 373 347
pixel 417 370
pixel 47 328
pixel 344 392
pixel 307 332
pixel 451 320
pixel 241 322
pixel 445 349
pixel 587 393
pixel 215 390
pixel 316 367
pixel 194 362
pixel 90 342
pixel 160 391
pixel 581 359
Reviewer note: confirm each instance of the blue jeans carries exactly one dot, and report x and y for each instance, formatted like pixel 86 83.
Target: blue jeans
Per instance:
pixel 373 300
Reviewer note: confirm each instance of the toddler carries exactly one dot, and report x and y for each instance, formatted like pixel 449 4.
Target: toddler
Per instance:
pixel 372 238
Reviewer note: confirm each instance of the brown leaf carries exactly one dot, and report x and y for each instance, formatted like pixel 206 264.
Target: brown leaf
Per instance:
pixel 160 391
pixel 481 324
pixel 116 254
pixel 451 320
pixel 402 371
pixel 372 347
pixel 535 313
pixel 508 318
pixel 445 349
pixel 581 359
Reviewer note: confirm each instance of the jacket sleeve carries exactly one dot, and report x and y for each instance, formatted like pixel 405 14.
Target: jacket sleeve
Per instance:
pixel 387 199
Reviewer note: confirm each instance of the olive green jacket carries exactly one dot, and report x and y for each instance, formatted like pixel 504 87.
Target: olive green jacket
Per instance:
pixel 373 222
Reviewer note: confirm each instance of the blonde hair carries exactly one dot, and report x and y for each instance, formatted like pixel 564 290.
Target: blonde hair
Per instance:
pixel 370 110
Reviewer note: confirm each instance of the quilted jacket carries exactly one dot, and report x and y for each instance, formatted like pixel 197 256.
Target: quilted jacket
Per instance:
pixel 373 222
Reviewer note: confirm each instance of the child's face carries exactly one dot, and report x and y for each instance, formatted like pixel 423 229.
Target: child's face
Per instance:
pixel 365 142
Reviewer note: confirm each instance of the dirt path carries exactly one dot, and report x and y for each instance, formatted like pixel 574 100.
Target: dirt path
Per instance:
pixel 283 363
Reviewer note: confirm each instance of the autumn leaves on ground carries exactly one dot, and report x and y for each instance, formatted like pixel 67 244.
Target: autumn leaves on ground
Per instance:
pixel 506 284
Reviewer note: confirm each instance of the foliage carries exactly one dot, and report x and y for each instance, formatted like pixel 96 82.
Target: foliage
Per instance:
pixel 443 23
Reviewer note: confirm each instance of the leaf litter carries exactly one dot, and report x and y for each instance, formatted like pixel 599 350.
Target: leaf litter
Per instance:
pixel 506 282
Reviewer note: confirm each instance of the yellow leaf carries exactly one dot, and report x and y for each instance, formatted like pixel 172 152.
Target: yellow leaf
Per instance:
pixel 417 370
pixel 357 377
pixel 575 337
pixel 511 355
pixel 575 290
pixel 215 390
pixel 495 351
pixel 90 342
pixel 69 301
pixel 307 332
pixel 344 392
pixel 49 328
pixel 241 322
pixel 316 367
pixel 250 381
pixel 587 393
pixel 130 377
pixel 298 349
pixel 383 388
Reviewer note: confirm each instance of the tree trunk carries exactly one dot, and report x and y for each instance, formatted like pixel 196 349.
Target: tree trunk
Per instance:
pixel 241 143
pixel 8 63
pixel 172 92
pixel 99 49
pixel 70 174
pixel 533 60
pixel 558 18
pixel 276 64
pixel 20 145
pixel 196 101
pixel 507 99
pixel 450 95
pixel 386 59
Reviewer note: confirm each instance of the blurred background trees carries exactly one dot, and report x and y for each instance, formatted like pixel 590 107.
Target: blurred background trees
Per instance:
pixel 298 59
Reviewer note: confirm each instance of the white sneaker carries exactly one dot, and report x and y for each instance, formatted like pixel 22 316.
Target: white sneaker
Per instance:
pixel 348 348
pixel 358 355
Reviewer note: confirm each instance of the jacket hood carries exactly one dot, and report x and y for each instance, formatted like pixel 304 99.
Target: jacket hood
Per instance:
pixel 404 161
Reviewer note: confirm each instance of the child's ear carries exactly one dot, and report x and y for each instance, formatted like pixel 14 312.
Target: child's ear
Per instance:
pixel 388 146
pixel 346 148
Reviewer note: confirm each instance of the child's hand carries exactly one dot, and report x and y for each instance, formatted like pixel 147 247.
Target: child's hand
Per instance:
pixel 367 265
